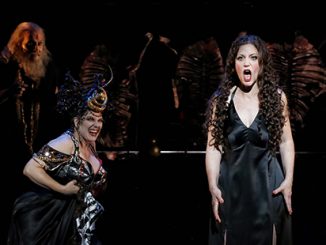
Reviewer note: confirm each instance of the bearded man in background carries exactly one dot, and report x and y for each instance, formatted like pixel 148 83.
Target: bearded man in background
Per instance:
pixel 28 85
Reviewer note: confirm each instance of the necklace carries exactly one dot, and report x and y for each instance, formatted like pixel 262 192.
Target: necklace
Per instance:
pixel 29 120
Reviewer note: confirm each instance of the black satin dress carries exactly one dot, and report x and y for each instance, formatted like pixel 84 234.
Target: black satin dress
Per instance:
pixel 249 173
pixel 45 217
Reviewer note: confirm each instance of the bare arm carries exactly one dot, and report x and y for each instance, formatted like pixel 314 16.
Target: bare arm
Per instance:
pixel 212 161
pixel 287 153
pixel 34 170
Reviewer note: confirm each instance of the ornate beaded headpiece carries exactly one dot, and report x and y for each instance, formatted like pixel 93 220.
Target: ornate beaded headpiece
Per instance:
pixel 74 98
pixel 97 100
pixel 97 97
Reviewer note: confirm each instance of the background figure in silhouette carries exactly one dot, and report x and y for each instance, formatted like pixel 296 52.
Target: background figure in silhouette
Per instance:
pixel 28 83
pixel 155 73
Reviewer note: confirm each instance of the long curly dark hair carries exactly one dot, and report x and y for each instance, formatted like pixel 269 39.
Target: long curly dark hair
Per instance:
pixel 269 95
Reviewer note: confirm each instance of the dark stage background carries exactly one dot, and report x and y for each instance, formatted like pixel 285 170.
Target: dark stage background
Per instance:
pixel 163 198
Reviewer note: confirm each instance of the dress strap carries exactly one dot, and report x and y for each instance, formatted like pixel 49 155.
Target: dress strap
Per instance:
pixel 232 93
pixel 75 141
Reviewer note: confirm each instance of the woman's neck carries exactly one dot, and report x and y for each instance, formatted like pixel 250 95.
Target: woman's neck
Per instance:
pixel 251 91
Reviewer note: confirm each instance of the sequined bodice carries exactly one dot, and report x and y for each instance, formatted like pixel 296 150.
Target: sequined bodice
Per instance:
pixel 64 167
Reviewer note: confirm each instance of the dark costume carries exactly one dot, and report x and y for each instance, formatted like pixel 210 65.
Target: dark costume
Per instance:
pixel 28 121
pixel 249 173
pixel 44 217
pixel 155 73
pixel 29 117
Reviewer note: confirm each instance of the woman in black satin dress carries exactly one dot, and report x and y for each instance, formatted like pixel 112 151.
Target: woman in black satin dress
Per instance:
pixel 68 176
pixel 248 124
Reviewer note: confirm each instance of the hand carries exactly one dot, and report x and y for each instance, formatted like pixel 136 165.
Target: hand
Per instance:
pixel 71 188
pixel 216 201
pixel 286 189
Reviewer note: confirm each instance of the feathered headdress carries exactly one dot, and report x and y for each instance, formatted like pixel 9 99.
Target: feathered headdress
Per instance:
pixel 74 99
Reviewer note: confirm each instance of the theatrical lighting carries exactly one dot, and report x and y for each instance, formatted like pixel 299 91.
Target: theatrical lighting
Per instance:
pixel 155 150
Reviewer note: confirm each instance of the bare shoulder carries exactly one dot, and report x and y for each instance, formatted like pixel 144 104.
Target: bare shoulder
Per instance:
pixel 63 143
pixel 283 95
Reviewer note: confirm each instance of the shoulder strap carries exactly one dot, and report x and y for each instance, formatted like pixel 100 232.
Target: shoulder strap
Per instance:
pixel 75 141
pixel 231 95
